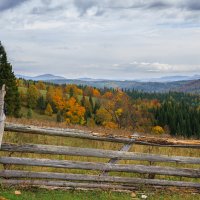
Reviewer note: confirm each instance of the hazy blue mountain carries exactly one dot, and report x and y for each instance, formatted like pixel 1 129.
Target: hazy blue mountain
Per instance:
pixel 46 77
pixel 23 76
pixel 174 78
pixel 191 86
pixel 151 86
pixel 90 79
pixel 142 86
pixel 43 77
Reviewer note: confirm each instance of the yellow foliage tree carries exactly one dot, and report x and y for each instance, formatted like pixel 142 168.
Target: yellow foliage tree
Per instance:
pixel 32 96
pixel 158 130
pixel 103 116
pixel 48 111
pixel 50 93
pixel 40 85
pixel 58 99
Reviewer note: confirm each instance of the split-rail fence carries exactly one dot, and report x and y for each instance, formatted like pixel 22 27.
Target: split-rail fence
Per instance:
pixel 104 180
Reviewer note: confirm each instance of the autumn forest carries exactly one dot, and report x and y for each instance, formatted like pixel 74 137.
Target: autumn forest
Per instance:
pixel 172 113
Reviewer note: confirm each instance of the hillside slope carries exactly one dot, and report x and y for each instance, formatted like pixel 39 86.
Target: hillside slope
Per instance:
pixel 192 87
pixel 184 86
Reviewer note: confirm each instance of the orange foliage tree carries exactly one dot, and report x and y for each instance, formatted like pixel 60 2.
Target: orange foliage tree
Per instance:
pixel 120 108
pixel 58 98
pixel 108 95
pixel 96 93
pixel 74 112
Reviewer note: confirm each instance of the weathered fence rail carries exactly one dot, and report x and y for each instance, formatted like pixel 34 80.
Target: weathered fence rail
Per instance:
pixel 99 153
pixel 170 171
pixel 94 178
pixel 104 180
pixel 74 133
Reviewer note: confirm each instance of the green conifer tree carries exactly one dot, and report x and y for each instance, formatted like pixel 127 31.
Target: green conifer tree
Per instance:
pixel 7 77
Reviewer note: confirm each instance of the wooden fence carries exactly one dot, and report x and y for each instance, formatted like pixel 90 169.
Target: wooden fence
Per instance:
pixel 104 179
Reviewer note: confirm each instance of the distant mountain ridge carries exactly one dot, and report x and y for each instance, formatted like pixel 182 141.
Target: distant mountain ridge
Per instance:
pixel 43 77
pixel 174 78
pixel 190 86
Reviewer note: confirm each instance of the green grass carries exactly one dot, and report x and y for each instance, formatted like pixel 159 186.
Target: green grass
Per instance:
pixel 37 115
pixel 43 194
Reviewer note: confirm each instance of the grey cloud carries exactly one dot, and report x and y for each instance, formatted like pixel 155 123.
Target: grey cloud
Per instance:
pixel 193 5
pixel 44 10
pixel 46 2
pixel 83 5
pixel 8 4
pixel 159 5
pixel 98 8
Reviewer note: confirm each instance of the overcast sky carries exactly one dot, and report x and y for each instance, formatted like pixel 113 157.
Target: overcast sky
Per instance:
pixel 115 39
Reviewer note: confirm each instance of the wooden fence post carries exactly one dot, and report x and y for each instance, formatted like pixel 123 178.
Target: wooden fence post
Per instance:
pixel 2 114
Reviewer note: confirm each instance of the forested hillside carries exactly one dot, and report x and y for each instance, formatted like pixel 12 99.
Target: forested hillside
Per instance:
pixel 180 112
pixel 157 113
pixel 188 86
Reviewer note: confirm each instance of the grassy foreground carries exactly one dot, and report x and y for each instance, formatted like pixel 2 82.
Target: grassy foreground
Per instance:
pixel 42 194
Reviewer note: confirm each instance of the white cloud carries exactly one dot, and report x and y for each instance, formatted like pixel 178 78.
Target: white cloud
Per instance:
pixel 43 25
pixel 107 38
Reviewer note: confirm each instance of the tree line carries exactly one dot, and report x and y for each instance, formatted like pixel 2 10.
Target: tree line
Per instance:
pixel 180 112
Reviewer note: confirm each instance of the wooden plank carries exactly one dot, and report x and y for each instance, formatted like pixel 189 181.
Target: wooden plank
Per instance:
pixel 94 178
pixel 194 173
pixel 114 160
pixel 2 115
pixel 74 133
pixel 100 153
pixel 65 184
